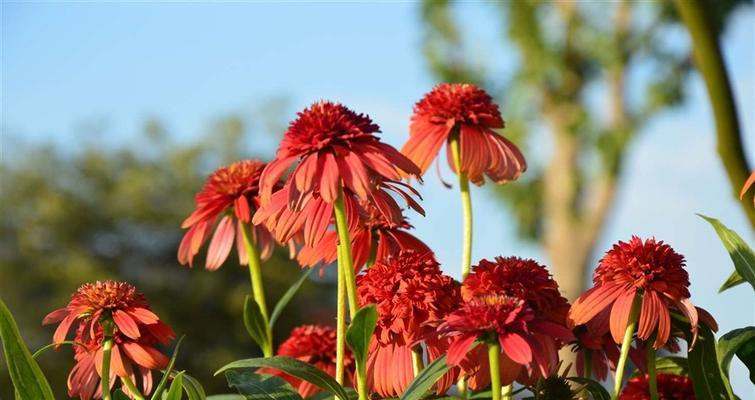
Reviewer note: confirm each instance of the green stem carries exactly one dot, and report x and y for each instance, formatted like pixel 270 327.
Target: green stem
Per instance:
pixel 466 203
pixel 461 386
pixel 340 326
pixel 258 291
pixel 494 356
pixel 418 363
pixel 347 278
pixel 345 261
pixel 107 347
pixel 652 379
pixel 587 363
pixel 131 388
pixel 626 345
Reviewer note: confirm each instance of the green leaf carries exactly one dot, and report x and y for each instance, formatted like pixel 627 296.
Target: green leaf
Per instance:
pixel 255 322
pixel 669 365
pixel 426 379
pixel 225 397
pixel 164 380
pixel 295 368
pixel 286 298
pixel 176 388
pixel 53 345
pixel 707 377
pixel 360 332
pixel 261 387
pixel 329 396
pixel 746 354
pixel 119 395
pixel 192 387
pixel 739 340
pixel 27 377
pixel 741 254
pixel 734 280
pixel 596 390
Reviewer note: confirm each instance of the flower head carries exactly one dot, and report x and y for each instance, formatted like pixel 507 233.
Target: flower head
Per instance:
pixel 335 151
pixel 231 194
pixel 525 339
pixel 648 268
pixel 411 295
pixel 373 235
pixel 470 111
pixel 670 387
pixel 520 278
pixel 314 344
pixel 136 330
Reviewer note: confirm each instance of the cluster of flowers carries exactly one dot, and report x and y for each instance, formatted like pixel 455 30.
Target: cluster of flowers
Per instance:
pixel 507 311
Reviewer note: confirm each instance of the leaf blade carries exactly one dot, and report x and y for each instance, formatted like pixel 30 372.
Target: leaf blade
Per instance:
pixel 255 322
pixel 740 252
pixel 739 340
pixel 295 368
pixel 360 331
pixel 176 388
pixel 426 379
pixel 261 387
pixel 27 377
pixel 286 298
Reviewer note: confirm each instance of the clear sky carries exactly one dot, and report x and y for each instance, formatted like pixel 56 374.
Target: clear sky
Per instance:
pixel 65 63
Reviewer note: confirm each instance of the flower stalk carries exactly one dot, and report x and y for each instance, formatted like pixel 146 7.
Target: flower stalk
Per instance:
pixel 132 388
pixel 466 202
pixel 652 377
pixel 418 363
pixel 258 292
pixel 494 357
pixel 107 347
pixel 626 345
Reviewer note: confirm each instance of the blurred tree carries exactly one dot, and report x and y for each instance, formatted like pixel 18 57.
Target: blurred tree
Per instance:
pixel 76 215
pixel 595 74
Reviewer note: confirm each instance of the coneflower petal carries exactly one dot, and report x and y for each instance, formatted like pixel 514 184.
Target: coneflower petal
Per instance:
pixel 221 243
pixel 620 314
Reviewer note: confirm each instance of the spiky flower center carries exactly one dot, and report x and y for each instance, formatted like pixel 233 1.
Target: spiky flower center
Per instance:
pixel 460 103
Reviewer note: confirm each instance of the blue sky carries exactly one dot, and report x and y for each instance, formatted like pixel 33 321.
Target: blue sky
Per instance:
pixel 67 63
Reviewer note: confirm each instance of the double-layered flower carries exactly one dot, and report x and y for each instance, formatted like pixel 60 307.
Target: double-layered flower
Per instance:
pixel 314 344
pixel 670 387
pixel 136 331
pixel 651 269
pixel 334 151
pixel 374 236
pixel 411 295
pixel 469 112
pixel 228 199
pixel 526 341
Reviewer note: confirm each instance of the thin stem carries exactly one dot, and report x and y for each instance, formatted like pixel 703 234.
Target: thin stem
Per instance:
pixel 626 345
pixel 340 326
pixel 466 203
pixel 587 363
pixel 258 291
pixel 107 347
pixel 131 388
pixel 418 363
pixel 494 356
pixel 652 379
pixel 345 261
pixel 461 386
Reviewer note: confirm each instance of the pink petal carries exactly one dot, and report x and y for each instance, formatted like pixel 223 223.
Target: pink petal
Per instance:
pixel 126 324
pixel 221 243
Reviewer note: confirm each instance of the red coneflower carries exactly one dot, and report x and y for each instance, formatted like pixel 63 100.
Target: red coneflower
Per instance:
pixel 521 278
pixel 231 194
pixel 314 344
pixel 373 233
pixel 471 111
pixel 510 322
pixel 411 295
pixel 650 268
pixel 136 331
pixel 335 150
pixel 670 387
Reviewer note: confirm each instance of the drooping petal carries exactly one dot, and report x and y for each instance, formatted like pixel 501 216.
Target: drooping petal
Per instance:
pixel 459 348
pixel 126 324
pixel 221 243
pixel 516 348
pixel 620 315
pixel 592 302
pixel 146 356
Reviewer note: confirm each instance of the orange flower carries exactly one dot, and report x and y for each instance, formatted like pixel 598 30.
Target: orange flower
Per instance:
pixel 411 295
pixel 469 109
pixel 670 387
pixel 520 278
pixel 233 193
pixel 525 339
pixel 373 230
pixel 334 149
pixel 314 344
pixel 650 268
pixel 136 332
